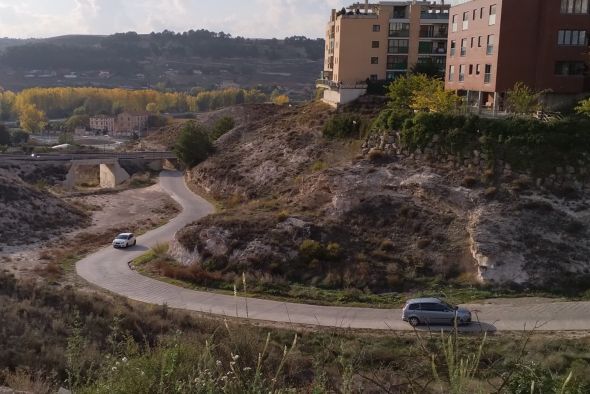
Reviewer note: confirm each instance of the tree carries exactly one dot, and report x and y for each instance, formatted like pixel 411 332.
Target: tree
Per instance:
pixel 434 98
pixel 66 138
pixel 32 119
pixel 152 108
pixel 583 107
pixel 281 99
pixel 523 100
pixel 77 121
pixel 193 145
pixel 222 126
pixel 402 89
pixel 4 136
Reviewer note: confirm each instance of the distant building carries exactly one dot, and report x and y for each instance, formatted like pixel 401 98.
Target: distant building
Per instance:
pixel 103 123
pixel 379 42
pixel 129 123
pixel 496 43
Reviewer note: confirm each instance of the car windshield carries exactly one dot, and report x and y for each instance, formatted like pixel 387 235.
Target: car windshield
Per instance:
pixel 451 307
pixel 122 236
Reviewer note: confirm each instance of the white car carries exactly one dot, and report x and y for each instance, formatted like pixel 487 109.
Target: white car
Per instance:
pixel 124 240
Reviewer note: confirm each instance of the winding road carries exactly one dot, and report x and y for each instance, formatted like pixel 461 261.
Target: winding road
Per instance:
pixel 108 269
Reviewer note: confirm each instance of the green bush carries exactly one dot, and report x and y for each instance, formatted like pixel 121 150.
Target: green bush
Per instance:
pixel 343 126
pixel 193 145
pixel 222 126
pixel 4 135
pixel 19 137
pixel 525 143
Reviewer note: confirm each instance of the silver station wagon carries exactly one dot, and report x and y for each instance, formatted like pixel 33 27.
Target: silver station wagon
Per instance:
pixel 434 311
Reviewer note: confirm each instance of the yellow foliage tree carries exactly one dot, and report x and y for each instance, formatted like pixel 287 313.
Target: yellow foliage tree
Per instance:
pixel 32 119
pixel 281 99
pixel 432 97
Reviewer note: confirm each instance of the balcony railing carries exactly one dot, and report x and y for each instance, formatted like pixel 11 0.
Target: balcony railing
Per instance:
pixel 397 66
pixel 399 33
pixel 434 15
pixel 402 50
pixel 461 77
pixel 439 35
pixel 463 51
pixel 452 51
pixel 490 50
pixel 433 51
pixel 333 85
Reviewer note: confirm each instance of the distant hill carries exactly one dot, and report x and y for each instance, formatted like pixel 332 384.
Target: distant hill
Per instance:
pixel 178 60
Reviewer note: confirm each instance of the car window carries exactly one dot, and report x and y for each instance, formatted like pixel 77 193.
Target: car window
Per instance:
pixel 430 306
pixel 131 236
pixel 414 307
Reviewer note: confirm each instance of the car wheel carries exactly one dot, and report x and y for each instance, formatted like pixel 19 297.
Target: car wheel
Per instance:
pixel 413 321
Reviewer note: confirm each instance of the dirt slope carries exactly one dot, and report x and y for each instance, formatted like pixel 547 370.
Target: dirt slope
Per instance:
pixel 300 208
pixel 29 214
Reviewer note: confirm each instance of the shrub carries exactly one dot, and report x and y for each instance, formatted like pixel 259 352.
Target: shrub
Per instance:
pixel 193 145
pixel 343 126
pixel 222 126
pixel 4 135
pixel 376 154
pixel 310 249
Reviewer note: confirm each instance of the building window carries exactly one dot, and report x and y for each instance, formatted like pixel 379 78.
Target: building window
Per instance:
pixel 572 37
pixel 451 73
pixel 570 68
pixel 492 20
pixel 375 44
pixel 466 20
pixel 398 46
pixel 374 77
pixel 398 29
pixel 461 73
pixel 397 62
pixel 481 13
pixel 471 69
pixel 425 47
pixel 487 77
pixel 464 47
pixel 453 46
pixel 490 46
pixel 376 28
pixel 574 6
pixel 454 27
pixel 479 41
pixel 478 69
pixel 374 60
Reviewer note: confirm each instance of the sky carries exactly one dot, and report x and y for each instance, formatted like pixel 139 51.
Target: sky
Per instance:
pixel 247 18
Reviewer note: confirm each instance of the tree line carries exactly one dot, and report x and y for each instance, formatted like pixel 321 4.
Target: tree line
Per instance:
pixel 32 107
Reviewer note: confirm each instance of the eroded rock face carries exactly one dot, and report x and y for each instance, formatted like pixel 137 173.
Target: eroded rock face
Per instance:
pixel 400 216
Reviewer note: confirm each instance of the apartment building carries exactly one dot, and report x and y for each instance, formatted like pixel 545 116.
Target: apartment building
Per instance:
pixel 125 123
pixel 496 43
pixel 129 123
pixel 103 123
pixel 378 42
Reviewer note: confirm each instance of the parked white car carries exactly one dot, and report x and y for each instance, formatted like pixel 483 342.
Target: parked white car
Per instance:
pixel 124 240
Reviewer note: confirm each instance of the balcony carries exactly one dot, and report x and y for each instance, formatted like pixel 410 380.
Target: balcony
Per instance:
pixel 398 50
pixel 433 51
pixel 440 35
pixel 397 66
pixel 399 33
pixel 435 16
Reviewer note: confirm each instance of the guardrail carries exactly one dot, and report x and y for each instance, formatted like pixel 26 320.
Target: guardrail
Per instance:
pixel 87 156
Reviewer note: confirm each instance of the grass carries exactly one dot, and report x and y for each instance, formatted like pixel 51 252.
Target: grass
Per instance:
pixel 101 344
pixel 158 265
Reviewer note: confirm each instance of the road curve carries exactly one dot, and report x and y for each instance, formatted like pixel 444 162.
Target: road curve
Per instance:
pixel 108 269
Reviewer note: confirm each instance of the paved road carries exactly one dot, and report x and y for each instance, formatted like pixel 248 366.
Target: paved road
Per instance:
pixel 108 269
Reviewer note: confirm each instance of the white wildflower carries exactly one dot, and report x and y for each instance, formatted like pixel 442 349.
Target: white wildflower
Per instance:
pixel 124 359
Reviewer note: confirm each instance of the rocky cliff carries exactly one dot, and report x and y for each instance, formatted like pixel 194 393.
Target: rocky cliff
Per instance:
pixel 301 208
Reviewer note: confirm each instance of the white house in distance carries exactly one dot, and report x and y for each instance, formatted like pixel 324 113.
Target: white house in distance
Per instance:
pixel 124 124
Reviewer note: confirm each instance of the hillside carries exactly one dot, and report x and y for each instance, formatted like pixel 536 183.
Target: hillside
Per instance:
pixel 303 209
pixel 30 214
pixel 169 60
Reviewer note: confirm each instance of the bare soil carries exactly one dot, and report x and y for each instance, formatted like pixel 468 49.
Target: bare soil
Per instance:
pixel 136 210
